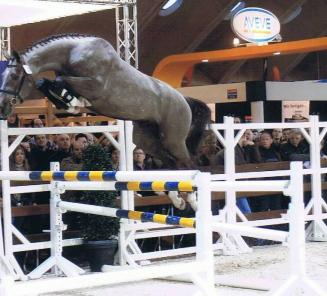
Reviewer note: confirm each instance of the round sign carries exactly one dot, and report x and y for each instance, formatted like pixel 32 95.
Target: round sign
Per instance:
pixel 255 25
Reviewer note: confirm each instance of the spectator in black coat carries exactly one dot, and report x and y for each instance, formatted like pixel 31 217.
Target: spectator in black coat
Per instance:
pixel 41 153
pixel 295 145
pixel 268 153
pixel 63 148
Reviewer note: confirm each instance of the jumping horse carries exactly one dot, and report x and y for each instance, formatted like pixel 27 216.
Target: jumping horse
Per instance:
pixel 167 125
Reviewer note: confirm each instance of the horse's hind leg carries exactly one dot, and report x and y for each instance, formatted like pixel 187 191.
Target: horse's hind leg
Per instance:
pixel 146 136
pixel 174 141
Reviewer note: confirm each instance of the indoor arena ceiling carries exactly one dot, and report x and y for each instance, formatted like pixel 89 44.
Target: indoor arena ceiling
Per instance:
pixel 202 25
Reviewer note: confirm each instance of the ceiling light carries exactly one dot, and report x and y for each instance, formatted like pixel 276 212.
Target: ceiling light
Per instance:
pixel 239 5
pixel 170 7
pixel 276 53
pixel 205 61
pixel 294 14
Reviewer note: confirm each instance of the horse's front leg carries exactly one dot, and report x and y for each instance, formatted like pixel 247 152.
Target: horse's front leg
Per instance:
pixel 177 200
pixel 192 200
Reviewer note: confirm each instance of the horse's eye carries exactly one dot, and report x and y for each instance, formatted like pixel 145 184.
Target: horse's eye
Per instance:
pixel 14 76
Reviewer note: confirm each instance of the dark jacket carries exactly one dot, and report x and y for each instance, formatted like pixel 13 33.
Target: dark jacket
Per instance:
pixel 59 155
pixel 269 155
pixel 40 159
pixel 243 155
pixel 287 149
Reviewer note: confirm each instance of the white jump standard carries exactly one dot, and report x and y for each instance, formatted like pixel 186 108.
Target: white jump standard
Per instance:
pixel 201 270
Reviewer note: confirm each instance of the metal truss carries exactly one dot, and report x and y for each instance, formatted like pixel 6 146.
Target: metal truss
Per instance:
pixel 4 43
pixel 126 30
pixel 126 26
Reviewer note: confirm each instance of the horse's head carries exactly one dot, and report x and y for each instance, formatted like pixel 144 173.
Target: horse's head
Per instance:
pixel 17 84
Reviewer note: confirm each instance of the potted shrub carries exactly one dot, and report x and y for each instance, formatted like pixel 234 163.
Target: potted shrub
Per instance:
pixel 99 232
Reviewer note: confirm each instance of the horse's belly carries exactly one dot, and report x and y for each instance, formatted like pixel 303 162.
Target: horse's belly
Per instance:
pixel 121 110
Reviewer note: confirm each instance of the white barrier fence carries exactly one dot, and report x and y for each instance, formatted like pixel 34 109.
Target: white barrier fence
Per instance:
pixel 314 132
pixel 315 210
pixel 201 270
pixel 124 144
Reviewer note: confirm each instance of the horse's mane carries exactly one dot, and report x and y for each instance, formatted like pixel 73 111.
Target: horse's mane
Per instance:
pixel 49 39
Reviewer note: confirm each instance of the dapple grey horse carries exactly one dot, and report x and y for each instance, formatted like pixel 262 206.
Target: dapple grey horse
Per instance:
pixel 166 124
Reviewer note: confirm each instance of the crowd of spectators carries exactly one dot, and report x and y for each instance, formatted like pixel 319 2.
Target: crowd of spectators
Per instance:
pixel 36 153
pixel 255 146
pixel 259 146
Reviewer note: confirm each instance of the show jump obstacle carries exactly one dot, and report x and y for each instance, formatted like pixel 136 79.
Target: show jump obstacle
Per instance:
pixel 201 269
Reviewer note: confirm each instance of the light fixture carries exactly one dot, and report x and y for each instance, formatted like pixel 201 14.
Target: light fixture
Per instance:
pixel 238 6
pixel 205 61
pixel 294 14
pixel 236 42
pixel 169 7
pixel 276 53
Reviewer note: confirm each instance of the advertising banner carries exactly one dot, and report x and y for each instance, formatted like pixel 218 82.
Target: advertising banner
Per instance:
pixel 295 111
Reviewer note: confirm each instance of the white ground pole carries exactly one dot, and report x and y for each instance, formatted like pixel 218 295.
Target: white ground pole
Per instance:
pixel 201 270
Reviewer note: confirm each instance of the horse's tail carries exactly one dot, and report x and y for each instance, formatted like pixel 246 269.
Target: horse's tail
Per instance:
pixel 201 115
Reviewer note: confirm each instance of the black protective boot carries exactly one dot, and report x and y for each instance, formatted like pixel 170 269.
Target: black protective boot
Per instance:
pixel 57 91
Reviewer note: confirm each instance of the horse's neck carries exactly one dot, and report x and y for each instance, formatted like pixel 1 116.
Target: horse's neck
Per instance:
pixel 50 57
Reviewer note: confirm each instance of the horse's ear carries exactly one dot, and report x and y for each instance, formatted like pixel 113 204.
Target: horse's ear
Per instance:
pixel 16 56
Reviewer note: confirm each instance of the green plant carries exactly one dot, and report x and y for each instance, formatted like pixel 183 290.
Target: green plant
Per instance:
pixel 95 227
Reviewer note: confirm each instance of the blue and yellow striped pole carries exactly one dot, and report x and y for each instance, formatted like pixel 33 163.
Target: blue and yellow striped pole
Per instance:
pixel 105 176
pixel 127 214
pixel 157 218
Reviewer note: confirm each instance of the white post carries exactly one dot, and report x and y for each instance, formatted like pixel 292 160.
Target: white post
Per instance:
pixel 298 283
pixel 6 202
pixel 229 160
pixel 236 243
pixel 58 264
pixel 296 225
pixel 204 248
pixel 129 158
pixel 317 231
pixel 127 197
pixel 122 160
pixel 56 222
